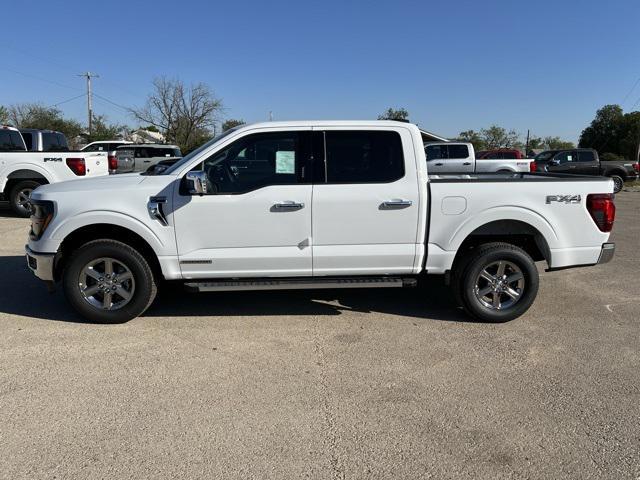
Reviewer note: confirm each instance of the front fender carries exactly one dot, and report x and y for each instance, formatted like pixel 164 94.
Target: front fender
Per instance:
pixel 61 230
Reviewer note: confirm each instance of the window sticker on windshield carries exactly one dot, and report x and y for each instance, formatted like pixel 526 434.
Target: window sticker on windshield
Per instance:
pixel 285 162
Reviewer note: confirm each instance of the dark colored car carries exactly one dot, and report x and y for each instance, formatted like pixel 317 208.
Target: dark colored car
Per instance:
pixel 585 161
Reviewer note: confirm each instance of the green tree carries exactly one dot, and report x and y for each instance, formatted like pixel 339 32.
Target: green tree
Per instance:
pixel 104 131
pixel 556 143
pixel 474 138
pixel 230 123
pixel 394 114
pixel 498 137
pixel 35 115
pixel 605 131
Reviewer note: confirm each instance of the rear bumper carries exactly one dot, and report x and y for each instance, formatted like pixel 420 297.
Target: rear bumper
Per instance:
pixel 41 264
pixel 607 252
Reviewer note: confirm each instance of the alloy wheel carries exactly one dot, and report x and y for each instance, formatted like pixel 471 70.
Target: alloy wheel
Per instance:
pixel 106 283
pixel 500 285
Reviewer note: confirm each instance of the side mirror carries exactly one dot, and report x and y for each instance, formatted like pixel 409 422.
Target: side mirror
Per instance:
pixel 554 162
pixel 197 182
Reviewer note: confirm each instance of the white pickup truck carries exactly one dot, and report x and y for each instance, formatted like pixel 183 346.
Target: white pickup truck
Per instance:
pixel 314 205
pixel 22 171
pixel 460 157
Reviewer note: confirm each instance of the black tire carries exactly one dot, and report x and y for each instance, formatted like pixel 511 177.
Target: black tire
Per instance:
pixel 618 182
pixel 17 194
pixel 466 279
pixel 143 285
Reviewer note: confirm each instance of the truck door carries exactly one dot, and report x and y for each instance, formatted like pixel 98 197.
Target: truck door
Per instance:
pixel 588 163
pixel 366 207
pixel 256 219
pixel 454 158
pixel 564 162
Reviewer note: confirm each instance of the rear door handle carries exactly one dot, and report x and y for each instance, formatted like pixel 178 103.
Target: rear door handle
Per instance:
pixel 438 164
pixel 285 206
pixel 396 203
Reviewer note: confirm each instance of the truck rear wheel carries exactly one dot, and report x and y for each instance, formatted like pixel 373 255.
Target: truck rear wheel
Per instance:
pixel 19 197
pixel 107 281
pixel 496 282
pixel 618 182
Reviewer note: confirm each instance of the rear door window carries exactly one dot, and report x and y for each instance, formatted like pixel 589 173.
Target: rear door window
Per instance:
pixel 363 156
pixel 458 151
pixel 54 142
pixel 586 156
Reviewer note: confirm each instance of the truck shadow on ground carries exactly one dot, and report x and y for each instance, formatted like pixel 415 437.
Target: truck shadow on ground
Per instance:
pixel 23 294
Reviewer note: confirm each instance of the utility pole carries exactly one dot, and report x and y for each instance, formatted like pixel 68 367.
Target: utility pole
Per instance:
pixel 89 76
pixel 526 146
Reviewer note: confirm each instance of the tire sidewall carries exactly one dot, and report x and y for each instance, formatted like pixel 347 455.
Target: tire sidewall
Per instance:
pixel 13 197
pixel 144 286
pixel 472 271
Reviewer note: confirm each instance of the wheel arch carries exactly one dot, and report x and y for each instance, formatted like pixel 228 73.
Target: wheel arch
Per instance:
pixel 512 231
pixel 27 173
pixel 87 233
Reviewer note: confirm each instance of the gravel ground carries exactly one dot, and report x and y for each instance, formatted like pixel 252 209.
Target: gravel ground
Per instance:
pixel 326 384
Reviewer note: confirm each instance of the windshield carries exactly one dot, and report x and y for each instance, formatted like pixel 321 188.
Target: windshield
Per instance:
pixel 186 159
pixel 545 156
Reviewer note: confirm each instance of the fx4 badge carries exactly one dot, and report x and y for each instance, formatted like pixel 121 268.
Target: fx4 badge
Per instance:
pixel 52 159
pixel 563 198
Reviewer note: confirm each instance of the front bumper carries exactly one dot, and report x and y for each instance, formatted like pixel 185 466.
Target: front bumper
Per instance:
pixel 606 254
pixel 41 264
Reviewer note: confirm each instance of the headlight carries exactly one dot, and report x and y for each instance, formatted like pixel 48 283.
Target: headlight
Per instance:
pixel 41 215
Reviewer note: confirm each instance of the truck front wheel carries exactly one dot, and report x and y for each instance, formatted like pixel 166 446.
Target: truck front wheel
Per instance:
pixel 107 281
pixel 496 282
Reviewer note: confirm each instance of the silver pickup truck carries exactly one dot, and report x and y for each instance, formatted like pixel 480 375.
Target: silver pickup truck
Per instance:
pixel 460 157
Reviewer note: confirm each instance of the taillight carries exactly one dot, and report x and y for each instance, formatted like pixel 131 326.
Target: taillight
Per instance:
pixel 77 166
pixel 636 167
pixel 602 210
pixel 113 162
pixel 533 166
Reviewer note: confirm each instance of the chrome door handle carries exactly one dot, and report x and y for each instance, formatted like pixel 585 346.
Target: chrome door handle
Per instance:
pixel 288 206
pixel 396 203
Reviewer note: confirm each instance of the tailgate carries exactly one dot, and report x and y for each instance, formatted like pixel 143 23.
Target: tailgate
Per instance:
pixel 97 163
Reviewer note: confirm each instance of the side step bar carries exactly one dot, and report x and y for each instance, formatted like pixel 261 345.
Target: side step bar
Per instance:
pixel 300 284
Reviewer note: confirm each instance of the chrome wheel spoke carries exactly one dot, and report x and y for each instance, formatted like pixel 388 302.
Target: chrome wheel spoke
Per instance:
pixel 512 293
pixel 501 266
pixel 496 300
pixel 514 277
pixel 107 284
pixel 90 272
pixel 106 301
pixel 485 291
pixel 487 276
pixel 123 293
pixel 92 290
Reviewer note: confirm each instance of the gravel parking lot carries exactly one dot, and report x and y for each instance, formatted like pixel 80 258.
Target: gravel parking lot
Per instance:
pixel 326 384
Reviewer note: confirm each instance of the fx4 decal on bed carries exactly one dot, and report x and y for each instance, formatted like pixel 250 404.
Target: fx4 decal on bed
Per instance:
pixel 564 198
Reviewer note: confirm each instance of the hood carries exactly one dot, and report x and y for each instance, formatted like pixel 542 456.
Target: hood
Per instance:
pixel 105 182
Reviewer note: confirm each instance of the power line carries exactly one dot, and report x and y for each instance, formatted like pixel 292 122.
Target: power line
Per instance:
pixel 126 109
pixel 631 91
pixel 39 78
pixel 68 100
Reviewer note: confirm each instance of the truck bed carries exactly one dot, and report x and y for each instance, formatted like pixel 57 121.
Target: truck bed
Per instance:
pixel 511 177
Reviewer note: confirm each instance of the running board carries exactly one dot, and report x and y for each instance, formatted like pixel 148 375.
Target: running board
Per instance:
pixel 300 284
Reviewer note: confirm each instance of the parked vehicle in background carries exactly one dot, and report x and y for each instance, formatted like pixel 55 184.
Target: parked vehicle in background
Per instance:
pixel 138 157
pixel 459 157
pixel 21 171
pixel 108 146
pixel 500 154
pixel 292 205
pixel 44 140
pixel 585 161
pixel 11 140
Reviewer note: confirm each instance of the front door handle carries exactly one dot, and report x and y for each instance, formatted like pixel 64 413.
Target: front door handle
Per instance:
pixel 286 206
pixel 467 163
pixel 396 203
pixel 438 164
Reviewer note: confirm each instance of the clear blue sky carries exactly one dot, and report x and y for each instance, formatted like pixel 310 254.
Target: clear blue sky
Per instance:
pixel 456 65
